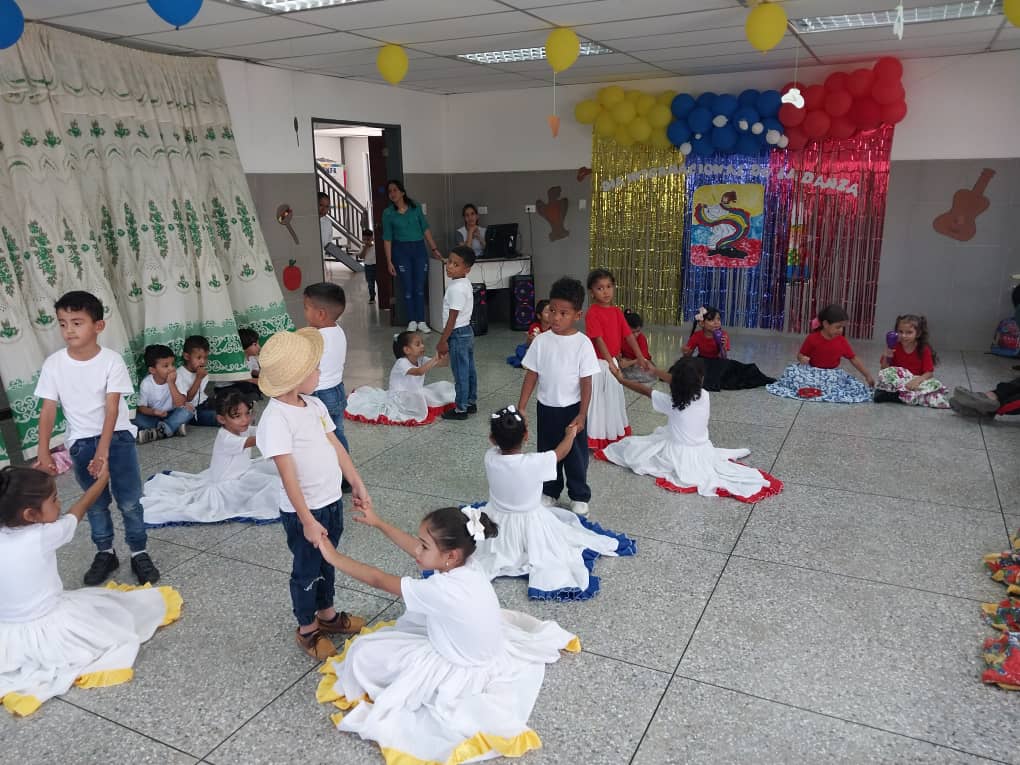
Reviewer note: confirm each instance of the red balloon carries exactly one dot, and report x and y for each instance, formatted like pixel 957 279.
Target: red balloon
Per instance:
pixel 814 97
pixel 866 113
pixel 887 92
pixel 836 82
pixel 842 127
pixel 790 115
pixel 816 124
pixel 838 103
pixel 859 82
pixel 893 113
pixel 889 69
pixel 791 84
pixel 797 139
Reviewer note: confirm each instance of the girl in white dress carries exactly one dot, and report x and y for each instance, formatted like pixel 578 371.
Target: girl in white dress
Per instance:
pixel 51 639
pixel 680 454
pixel 455 677
pixel 409 401
pixel 234 487
pixel 553 547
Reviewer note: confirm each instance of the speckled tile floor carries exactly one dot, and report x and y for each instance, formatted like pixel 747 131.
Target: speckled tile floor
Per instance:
pixel 837 622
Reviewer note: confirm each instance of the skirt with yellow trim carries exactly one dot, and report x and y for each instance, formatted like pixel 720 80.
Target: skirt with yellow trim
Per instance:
pixel 395 689
pixel 89 638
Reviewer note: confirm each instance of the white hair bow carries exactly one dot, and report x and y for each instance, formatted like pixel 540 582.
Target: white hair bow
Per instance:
pixel 475 528
pixel 700 315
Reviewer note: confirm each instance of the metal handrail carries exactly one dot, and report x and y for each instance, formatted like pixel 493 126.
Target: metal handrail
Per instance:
pixel 346 212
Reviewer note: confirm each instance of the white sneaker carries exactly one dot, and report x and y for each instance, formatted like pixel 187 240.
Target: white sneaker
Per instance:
pixel 548 501
pixel 412 326
pixel 579 508
pixel 424 328
pixel 146 435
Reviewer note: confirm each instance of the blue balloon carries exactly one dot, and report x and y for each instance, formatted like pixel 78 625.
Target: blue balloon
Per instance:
pixel 771 123
pixel 724 138
pixel 682 105
pixel 768 103
pixel 724 104
pixel 748 98
pixel 746 114
pixel 702 147
pixel 12 23
pixel 678 132
pixel 176 12
pixel 700 119
pixel 706 99
pixel 749 144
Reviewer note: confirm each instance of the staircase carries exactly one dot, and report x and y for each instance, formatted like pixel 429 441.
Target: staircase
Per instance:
pixel 349 216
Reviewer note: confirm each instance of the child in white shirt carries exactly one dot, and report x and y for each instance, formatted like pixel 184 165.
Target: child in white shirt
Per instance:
pixel 161 410
pixel 250 345
pixel 192 377
pixel 368 260
pixel 458 338
pixel 324 305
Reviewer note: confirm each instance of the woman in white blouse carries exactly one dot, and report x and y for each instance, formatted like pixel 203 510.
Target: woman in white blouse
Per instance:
pixel 471 234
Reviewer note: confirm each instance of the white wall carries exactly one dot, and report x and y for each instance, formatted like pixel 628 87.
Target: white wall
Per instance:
pixel 959 107
pixel 263 102
pixel 329 147
pixel 355 150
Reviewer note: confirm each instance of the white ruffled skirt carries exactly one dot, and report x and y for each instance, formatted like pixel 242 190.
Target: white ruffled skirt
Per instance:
pixel 607 412
pixel 400 407
pixel 185 498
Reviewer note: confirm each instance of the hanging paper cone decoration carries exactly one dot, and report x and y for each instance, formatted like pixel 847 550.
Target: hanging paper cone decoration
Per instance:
pixel 392 63
pixel 562 47
pixel 176 12
pixel 554 124
pixel 12 23
pixel 765 26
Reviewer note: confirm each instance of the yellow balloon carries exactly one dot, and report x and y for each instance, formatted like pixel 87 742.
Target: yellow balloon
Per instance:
pixel 624 112
pixel 605 126
pixel 586 112
pixel 633 96
pixel 639 129
pixel 666 97
pixel 659 139
pixel 562 47
pixel 644 103
pixel 659 116
pixel 623 136
pixel 392 63
pixel 1011 9
pixel 610 96
pixel 765 26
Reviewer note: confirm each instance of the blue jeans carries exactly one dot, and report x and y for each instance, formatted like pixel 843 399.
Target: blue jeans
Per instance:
pixel 125 483
pixel 335 399
pixel 205 415
pixel 462 364
pixel 311 578
pixel 169 424
pixel 370 278
pixel 412 264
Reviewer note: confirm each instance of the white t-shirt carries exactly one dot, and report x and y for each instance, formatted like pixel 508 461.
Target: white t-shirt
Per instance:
pixel 561 361
pixel 229 456
pixel 334 356
pixel 29 581
pixel 154 395
pixel 325 230
pixel 688 426
pixel 185 377
pixel 401 380
pixel 80 387
pixel 515 480
pixel 477 246
pixel 300 431
pixel 369 259
pixel 459 297
pixel 461 613
pixel 253 363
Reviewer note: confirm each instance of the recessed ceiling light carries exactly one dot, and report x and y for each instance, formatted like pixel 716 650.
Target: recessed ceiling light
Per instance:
pixel 948 12
pixel 288 6
pixel 527 54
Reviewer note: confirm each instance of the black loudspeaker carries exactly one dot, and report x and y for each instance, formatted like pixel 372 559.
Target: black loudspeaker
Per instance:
pixel 522 295
pixel 480 312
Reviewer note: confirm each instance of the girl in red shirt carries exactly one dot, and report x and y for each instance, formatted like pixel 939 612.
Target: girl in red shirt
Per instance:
pixel 816 376
pixel 712 345
pixel 908 368
pixel 609 332
pixel 539 325
pixel 629 362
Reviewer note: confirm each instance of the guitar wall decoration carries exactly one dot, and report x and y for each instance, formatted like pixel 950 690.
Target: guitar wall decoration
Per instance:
pixel 959 222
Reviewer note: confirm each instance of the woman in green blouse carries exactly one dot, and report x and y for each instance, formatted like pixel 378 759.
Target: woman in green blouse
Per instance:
pixel 405 232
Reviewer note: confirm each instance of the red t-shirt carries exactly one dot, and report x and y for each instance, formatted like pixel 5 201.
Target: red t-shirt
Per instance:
pixel 918 363
pixel 826 354
pixel 706 345
pixel 608 323
pixel 642 343
pixel 534 329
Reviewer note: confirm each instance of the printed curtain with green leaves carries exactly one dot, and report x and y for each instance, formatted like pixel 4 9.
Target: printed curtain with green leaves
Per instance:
pixel 119 175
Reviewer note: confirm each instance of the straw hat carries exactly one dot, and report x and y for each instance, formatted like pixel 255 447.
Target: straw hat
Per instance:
pixel 287 359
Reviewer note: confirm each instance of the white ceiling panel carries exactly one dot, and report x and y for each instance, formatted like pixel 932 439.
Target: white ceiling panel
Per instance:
pixel 45 9
pixel 470 26
pixel 705 41
pixel 594 13
pixel 931 31
pixel 798 9
pixel 383 12
pixel 258 30
pixel 140 19
pixel 530 5
pixel 971 41
pixel 664 25
pixel 330 42
pixel 455 46
pixel 365 57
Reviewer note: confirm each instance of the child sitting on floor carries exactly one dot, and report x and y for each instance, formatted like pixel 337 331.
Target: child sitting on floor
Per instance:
pixel 679 454
pixel 537 327
pixel 712 344
pixel 551 546
pixel 250 388
pixel 628 360
pixel 234 488
pixel 52 638
pixel 816 376
pixel 455 673
pixel 409 401
pixel 907 371
pixel 161 410
pixel 192 377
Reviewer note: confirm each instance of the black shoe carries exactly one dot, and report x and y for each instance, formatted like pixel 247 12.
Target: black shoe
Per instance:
pixel 886 397
pixel 371 300
pixel 472 409
pixel 104 564
pixel 144 568
pixel 453 414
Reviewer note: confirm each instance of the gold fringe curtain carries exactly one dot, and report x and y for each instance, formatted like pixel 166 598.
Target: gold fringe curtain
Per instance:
pixel 637 224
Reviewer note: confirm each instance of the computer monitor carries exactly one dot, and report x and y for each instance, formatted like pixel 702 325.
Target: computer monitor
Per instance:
pixel 501 241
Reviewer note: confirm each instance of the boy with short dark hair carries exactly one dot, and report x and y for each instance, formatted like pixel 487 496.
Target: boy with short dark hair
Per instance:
pixel 89 383
pixel 561 363
pixel 161 410
pixel 191 381
pixel 458 338
pixel 325 303
pixel 248 388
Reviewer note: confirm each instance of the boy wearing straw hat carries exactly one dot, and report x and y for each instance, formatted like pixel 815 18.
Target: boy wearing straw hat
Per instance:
pixel 297 433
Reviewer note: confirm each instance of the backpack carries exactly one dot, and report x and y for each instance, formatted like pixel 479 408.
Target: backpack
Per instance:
pixel 1007 339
